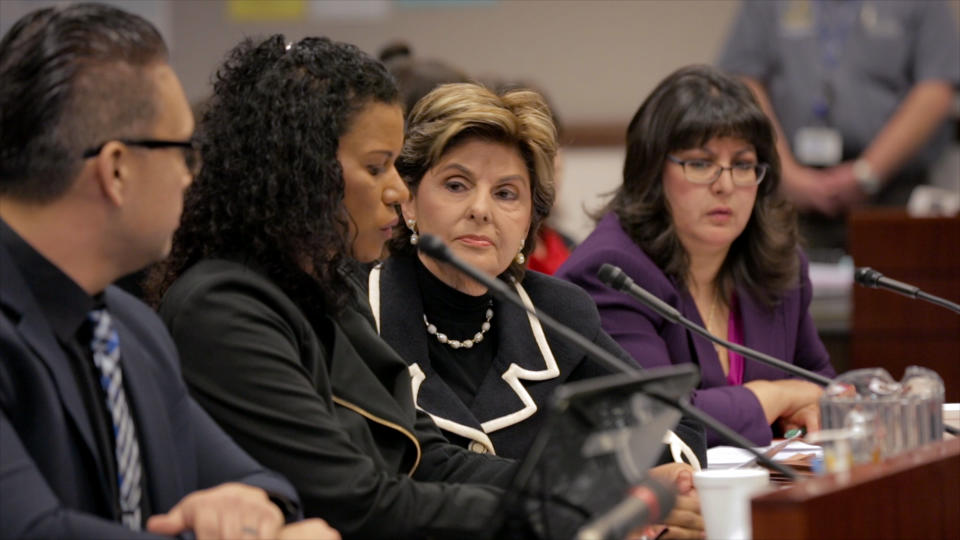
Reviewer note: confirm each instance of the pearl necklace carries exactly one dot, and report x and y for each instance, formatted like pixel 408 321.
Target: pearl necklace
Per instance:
pixel 456 344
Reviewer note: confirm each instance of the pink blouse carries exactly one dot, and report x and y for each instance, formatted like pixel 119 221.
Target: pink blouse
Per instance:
pixel 735 334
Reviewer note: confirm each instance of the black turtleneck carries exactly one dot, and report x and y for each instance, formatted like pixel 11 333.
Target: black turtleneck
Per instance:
pixel 459 316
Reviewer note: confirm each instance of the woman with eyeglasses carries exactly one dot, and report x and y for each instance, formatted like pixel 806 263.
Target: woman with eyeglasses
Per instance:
pixel 700 223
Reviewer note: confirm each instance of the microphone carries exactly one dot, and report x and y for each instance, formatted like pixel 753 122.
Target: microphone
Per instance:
pixel 613 276
pixel 435 248
pixel 868 277
pixel 647 503
pixel 619 280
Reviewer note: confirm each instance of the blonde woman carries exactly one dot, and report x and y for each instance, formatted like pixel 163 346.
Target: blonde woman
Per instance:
pixel 479 167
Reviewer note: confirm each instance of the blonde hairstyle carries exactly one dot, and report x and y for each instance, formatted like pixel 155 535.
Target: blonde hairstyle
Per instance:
pixel 454 113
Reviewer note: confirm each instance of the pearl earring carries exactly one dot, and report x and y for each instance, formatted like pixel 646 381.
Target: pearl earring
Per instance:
pixel 414 237
pixel 520 258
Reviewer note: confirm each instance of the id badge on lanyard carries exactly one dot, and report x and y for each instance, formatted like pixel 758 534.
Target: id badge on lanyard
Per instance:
pixel 820 144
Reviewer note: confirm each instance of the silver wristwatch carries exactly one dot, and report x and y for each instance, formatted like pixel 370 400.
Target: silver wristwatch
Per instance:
pixel 865 176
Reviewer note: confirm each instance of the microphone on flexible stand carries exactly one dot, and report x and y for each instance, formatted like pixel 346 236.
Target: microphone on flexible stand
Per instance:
pixel 649 502
pixel 868 277
pixel 435 248
pixel 619 280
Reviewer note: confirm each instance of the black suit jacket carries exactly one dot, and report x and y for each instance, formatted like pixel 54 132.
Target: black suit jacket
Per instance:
pixel 328 404
pixel 52 481
pixel 503 417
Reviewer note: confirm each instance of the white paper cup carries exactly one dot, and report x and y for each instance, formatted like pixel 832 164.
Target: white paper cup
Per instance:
pixel 725 500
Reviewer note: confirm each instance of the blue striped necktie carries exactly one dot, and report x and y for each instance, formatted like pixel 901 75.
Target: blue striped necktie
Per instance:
pixel 106 356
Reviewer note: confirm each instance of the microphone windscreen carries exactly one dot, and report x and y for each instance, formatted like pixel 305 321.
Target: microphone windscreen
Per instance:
pixel 866 276
pixel 433 247
pixel 645 504
pixel 612 276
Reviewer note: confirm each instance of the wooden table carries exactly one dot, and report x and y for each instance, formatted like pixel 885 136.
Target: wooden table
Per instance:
pixel 914 495
pixel 892 331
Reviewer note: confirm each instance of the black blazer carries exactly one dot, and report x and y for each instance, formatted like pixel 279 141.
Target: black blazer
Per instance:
pixel 328 406
pixel 52 481
pixel 503 417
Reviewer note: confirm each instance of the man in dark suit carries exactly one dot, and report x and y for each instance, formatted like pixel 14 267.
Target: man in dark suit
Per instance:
pixel 98 436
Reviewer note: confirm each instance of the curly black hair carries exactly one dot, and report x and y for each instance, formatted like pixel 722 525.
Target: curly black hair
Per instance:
pixel 271 188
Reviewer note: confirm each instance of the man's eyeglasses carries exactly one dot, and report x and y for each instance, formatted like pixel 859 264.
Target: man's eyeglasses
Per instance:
pixel 706 172
pixel 190 150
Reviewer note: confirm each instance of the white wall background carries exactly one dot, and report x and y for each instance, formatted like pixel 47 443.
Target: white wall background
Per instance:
pixel 597 59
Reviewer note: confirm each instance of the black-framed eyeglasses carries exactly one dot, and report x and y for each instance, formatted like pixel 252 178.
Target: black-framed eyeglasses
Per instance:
pixel 190 150
pixel 706 172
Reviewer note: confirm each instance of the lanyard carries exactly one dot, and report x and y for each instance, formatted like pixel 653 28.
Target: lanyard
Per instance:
pixel 834 21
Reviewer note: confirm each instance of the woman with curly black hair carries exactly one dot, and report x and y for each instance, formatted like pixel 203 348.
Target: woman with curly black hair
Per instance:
pixel 298 186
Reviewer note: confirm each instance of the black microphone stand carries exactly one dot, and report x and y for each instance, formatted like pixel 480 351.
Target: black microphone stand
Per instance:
pixel 435 248
pixel 619 280
pixel 868 277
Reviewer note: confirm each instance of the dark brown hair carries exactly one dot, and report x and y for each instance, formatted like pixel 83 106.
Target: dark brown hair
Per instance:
pixel 71 78
pixel 688 108
pixel 417 76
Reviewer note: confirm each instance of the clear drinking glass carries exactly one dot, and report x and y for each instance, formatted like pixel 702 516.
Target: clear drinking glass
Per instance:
pixel 884 417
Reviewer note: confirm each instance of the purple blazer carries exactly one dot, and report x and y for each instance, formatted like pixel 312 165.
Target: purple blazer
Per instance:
pixel 785 332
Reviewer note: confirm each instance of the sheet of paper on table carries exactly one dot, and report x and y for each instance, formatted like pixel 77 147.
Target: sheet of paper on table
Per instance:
pixel 951 417
pixel 728 457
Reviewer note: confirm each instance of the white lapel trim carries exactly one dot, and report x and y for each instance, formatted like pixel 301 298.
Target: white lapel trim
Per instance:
pixel 680 450
pixel 515 373
pixel 417 376
pixel 512 376
pixel 373 284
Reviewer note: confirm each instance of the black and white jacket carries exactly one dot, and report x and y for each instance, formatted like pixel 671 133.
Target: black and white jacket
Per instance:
pixel 531 360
